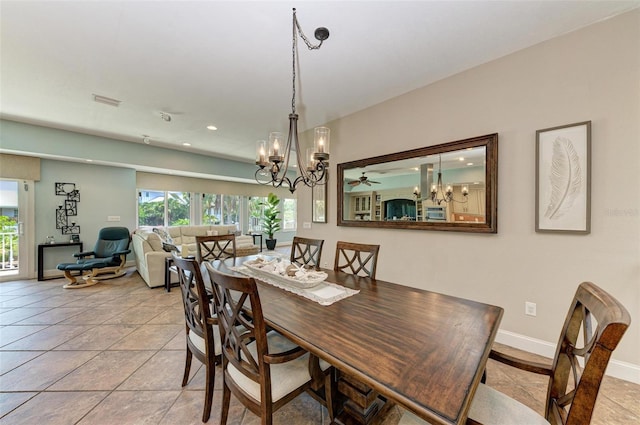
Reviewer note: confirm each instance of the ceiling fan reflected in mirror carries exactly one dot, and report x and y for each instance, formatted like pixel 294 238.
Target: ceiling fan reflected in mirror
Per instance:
pixel 362 180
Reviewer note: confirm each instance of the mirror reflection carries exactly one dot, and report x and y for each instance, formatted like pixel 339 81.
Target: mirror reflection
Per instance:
pixel 443 187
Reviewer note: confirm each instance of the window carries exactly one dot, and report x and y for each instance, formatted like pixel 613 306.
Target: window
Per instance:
pixel 256 209
pixel 178 208
pixel 289 214
pixel 211 208
pixel 156 208
pixel 230 209
pixel 165 208
pixel 150 208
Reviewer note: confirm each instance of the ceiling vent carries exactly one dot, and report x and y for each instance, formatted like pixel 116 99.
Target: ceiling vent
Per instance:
pixel 106 100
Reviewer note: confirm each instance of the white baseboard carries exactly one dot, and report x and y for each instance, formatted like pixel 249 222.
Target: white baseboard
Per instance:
pixel 617 369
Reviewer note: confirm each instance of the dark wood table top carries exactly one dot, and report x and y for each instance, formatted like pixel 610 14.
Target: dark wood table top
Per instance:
pixel 423 350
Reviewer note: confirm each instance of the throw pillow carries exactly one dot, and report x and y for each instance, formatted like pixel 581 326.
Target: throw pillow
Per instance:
pixel 164 235
pixel 169 247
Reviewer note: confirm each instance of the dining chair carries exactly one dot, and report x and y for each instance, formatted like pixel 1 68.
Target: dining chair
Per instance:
pixel 356 258
pixel 262 369
pixel 216 247
pixel 572 390
pixel 203 335
pixel 306 252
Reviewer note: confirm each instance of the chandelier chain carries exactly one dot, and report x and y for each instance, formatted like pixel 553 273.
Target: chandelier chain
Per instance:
pixel 297 29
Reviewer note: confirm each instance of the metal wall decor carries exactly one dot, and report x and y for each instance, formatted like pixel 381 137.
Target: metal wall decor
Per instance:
pixel 68 209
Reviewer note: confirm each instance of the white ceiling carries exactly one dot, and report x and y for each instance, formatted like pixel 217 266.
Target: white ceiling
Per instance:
pixel 228 63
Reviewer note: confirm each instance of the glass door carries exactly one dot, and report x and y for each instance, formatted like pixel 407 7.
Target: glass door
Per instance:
pixel 16 235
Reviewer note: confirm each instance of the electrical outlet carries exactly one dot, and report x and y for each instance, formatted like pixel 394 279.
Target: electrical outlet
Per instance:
pixel 530 308
pixel 306 225
pixel 113 218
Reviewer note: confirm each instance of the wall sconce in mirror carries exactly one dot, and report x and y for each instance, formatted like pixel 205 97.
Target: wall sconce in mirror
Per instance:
pixel 451 186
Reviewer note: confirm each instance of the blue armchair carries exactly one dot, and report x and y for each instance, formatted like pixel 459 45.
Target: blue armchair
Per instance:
pixel 108 257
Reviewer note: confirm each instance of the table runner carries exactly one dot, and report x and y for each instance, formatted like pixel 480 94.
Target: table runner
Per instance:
pixel 324 293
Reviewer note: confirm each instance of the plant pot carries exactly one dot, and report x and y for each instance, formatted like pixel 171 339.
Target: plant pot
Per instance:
pixel 271 244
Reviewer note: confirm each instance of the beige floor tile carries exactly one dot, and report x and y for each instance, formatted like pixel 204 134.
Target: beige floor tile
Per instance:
pixel 95 315
pixel 58 408
pixel 57 301
pixel 171 363
pixel 136 315
pixel 43 371
pixel 148 337
pixel 303 410
pixel 172 315
pixel 17 314
pixel 48 338
pixel 105 371
pixel 10 401
pixel 11 359
pixel 101 299
pixel 12 333
pixel 98 338
pixel 178 342
pixel 31 301
pixel 131 407
pixel 53 316
pixel 189 407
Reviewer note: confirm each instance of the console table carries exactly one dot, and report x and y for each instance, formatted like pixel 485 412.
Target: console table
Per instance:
pixel 41 248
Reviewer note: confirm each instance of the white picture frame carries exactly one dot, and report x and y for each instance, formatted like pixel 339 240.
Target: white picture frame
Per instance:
pixel 563 179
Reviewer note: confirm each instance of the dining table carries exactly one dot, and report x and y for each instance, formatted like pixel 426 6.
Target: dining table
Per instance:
pixel 422 350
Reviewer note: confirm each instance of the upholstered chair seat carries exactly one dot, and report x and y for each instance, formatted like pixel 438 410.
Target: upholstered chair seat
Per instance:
pixel 285 377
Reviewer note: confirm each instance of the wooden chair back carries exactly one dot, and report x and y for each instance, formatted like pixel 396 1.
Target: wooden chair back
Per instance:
pixel 219 247
pixel 306 252
pixel 601 320
pixel 245 345
pixel 197 308
pixel 201 326
pixel 356 258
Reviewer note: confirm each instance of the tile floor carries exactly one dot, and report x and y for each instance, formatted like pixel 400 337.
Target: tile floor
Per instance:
pixel 113 353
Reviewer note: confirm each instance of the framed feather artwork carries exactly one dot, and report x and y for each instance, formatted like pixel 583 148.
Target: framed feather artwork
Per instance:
pixel 563 179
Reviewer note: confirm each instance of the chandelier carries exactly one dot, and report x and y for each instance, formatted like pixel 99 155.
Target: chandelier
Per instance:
pixel 440 194
pixel 272 158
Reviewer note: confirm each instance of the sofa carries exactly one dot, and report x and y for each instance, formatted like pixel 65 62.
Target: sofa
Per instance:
pixel 152 246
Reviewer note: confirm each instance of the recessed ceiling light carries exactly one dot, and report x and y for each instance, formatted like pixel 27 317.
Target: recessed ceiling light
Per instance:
pixel 461 159
pixel 186 144
pixel 469 163
pixel 212 127
pixel 89 160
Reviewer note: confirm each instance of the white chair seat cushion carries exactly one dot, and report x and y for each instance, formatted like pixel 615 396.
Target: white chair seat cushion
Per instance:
pixel 285 377
pixel 199 341
pixel 491 407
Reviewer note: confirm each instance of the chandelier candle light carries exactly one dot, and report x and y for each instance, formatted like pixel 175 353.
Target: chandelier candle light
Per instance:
pixel 273 158
pixel 440 195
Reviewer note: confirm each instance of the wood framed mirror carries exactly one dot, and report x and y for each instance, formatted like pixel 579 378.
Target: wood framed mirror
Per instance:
pixel 451 187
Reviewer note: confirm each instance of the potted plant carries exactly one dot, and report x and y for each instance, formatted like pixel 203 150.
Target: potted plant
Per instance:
pixel 270 219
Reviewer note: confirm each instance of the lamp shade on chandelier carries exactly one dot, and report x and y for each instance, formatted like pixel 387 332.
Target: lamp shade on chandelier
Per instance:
pixel 272 156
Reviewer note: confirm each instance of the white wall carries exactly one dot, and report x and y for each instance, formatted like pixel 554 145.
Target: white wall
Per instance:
pixel 591 74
